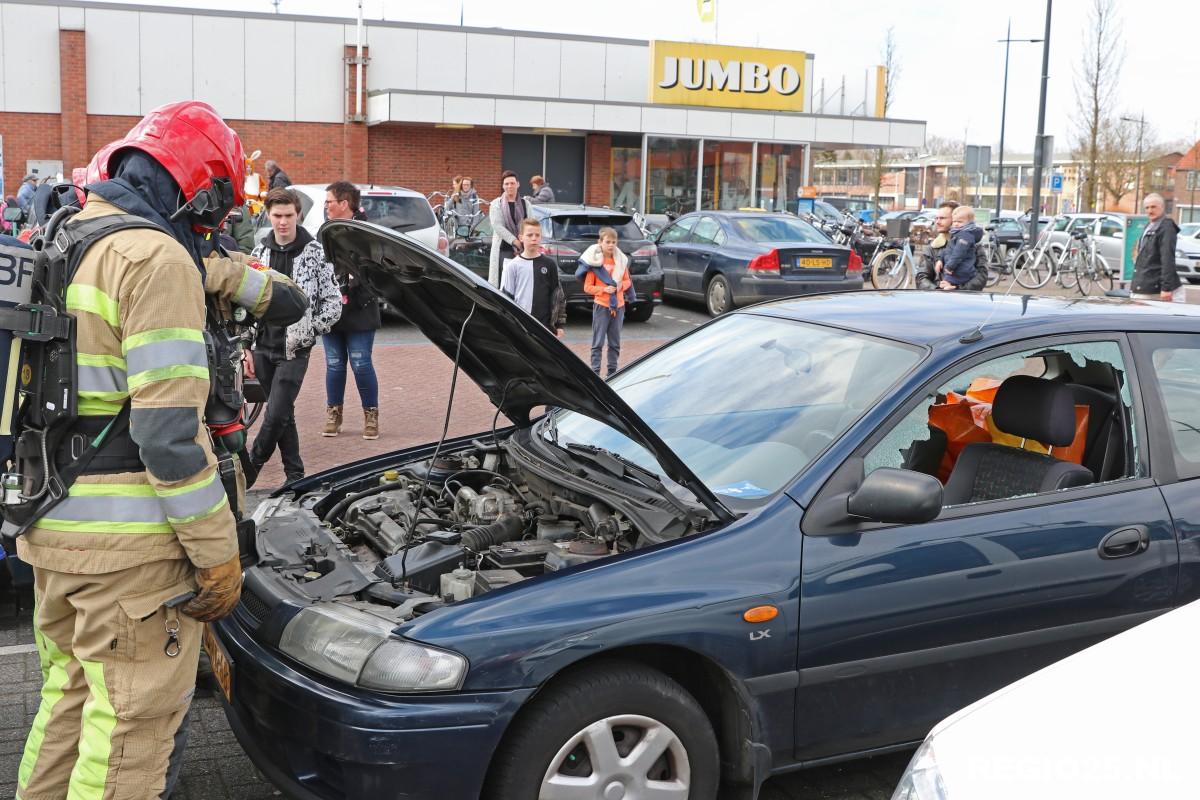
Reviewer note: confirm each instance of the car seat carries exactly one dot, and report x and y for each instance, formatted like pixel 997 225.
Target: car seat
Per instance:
pixel 1032 408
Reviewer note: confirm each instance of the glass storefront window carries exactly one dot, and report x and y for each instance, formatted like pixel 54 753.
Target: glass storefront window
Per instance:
pixel 727 175
pixel 626 172
pixel 671 175
pixel 780 170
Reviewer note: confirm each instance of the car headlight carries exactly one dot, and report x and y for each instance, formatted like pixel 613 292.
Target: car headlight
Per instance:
pixel 922 780
pixel 360 649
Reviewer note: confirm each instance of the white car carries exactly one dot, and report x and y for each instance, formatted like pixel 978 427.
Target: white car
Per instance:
pixel 394 207
pixel 1114 721
pixel 1187 251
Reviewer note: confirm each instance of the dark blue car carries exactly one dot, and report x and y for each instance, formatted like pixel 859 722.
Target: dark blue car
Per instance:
pixel 758 548
pixel 731 258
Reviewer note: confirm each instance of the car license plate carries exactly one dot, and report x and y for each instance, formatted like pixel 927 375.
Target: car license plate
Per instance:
pixel 814 262
pixel 221 667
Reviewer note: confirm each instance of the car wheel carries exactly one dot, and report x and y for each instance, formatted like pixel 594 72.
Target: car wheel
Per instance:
pixel 639 312
pixel 615 729
pixel 718 296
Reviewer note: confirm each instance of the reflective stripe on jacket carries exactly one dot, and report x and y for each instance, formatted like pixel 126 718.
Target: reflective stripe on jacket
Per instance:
pixel 139 304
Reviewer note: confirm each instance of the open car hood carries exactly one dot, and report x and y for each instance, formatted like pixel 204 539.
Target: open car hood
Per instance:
pixel 517 362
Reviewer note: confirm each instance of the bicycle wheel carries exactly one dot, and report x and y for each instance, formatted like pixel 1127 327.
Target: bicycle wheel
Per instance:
pixel 887 270
pixel 1033 272
pixel 1069 274
pixel 1101 275
pixel 1086 281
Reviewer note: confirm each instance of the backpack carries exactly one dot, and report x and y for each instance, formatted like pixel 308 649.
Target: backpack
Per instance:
pixel 35 483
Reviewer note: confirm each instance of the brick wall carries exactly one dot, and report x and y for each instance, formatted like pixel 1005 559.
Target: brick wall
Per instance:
pixel 310 152
pixel 598 170
pixel 426 158
pixel 72 67
pixel 27 136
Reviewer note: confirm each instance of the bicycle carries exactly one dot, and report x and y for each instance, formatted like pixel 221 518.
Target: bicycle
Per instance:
pixel 894 267
pixel 1033 267
pixel 1085 271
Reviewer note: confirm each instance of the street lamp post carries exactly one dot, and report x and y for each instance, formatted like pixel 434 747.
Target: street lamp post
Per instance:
pixel 1008 40
pixel 1137 192
pixel 1035 216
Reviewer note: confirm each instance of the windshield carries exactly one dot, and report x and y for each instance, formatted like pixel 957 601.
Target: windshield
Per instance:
pixel 748 401
pixel 399 213
pixel 1189 229
pixel 588 227
pixel 777 229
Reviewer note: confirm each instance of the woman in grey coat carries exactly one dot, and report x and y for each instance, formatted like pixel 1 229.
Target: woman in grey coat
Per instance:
pixel 506 214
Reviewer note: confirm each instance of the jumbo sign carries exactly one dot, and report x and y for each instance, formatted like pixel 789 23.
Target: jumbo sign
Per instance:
pixel 727 77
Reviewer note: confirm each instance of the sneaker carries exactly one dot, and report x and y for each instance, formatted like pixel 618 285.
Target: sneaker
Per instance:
pixel 371 425
pixel 333 421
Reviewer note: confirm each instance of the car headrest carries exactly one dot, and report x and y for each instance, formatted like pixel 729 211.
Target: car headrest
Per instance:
pixel 1035 408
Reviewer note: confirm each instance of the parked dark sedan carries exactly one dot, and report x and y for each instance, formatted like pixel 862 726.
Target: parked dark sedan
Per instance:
pixel 568 230
pixel 730 258
pixel 756 549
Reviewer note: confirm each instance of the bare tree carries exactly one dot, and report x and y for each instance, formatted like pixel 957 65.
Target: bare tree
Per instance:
pixel 891 74
pixel 1118 165
pixel 1096 79
pixel 944 146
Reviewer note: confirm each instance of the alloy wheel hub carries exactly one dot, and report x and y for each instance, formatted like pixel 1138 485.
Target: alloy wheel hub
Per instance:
pixel 623 757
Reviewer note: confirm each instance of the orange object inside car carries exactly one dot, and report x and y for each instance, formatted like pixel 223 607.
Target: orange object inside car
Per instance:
pixel 967 419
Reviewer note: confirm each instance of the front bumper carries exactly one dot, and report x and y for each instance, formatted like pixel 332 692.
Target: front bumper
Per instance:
pixel 751 290
pixel 318 740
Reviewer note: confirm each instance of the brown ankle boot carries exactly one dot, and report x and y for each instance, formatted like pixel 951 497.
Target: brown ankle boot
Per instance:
pixel 371 425
pixel 333 421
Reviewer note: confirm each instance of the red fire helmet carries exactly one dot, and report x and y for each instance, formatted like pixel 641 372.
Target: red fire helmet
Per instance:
pixel 194 145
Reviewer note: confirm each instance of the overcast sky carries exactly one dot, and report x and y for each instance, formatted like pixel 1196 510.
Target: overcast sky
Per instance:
pixel 952 67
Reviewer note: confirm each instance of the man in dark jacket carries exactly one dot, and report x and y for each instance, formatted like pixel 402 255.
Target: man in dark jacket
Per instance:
pixel 927 275
pixel 1154 275
pixel 277 177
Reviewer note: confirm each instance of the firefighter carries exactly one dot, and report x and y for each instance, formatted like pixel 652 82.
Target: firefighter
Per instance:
pixel 142 551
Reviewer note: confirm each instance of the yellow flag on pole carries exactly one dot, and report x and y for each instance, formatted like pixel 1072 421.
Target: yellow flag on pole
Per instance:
pixel 707 9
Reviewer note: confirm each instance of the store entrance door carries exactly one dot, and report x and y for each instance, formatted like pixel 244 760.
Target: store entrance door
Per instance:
pixel 559 159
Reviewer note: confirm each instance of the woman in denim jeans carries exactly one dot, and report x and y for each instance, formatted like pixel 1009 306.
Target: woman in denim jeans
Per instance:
pixel 353 337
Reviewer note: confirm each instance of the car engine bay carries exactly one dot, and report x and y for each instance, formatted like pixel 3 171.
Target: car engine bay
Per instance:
pixel 405 541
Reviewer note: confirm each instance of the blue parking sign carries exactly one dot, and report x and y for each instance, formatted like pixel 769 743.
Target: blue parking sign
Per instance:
pixel 1056 183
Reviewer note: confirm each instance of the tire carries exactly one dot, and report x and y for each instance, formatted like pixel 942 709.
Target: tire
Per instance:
pixel 718 296
pixel 564 734
pixel 640 312
pixel 1085 281
pixel 887 270
pixel 1070 276
pixel 1032 275
pixel 1103 278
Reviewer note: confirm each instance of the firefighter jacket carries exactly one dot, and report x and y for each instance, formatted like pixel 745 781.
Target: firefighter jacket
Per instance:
pixel 138 299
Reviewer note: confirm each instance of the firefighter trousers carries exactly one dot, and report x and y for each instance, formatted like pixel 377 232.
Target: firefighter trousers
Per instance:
pixel 118 674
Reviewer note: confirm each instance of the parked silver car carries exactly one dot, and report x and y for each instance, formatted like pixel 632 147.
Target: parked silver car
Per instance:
pixel 1187 252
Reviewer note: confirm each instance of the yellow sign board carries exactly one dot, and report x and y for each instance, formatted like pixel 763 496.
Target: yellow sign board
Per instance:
pixel 718 76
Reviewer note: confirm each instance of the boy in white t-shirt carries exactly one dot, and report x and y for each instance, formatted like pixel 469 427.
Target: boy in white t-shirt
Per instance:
pixel 531 280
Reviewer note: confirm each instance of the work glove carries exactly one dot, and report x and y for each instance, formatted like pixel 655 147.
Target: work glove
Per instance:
pixel 220 590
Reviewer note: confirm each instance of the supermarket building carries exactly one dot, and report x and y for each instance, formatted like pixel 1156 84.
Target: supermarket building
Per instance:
pixel 654 125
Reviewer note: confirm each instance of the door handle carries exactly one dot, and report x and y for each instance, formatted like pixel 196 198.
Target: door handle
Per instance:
pixel 1125 542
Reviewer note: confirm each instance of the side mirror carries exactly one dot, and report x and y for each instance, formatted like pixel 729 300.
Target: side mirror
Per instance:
pixel 896 495
pixel 1118 234
pixel 13 214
